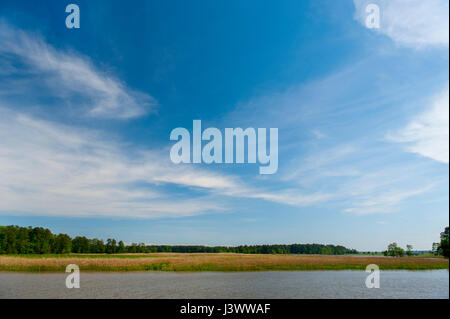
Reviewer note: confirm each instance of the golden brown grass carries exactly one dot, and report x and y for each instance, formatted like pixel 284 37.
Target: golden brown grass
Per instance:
pixel 214 262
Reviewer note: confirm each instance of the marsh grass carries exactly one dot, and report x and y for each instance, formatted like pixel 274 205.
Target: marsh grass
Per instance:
pixel 211 262
pixel 124 256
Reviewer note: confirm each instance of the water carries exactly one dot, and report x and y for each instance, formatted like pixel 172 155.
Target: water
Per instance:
pixel 273 284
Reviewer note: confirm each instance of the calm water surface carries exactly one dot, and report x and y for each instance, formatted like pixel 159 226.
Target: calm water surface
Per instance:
pixel 272 284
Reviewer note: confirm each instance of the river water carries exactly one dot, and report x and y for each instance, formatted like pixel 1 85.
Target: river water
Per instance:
pixel 270 284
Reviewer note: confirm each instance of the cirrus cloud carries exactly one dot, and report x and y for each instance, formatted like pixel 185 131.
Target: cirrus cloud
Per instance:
pixel 26 56
pixel 428 133
pixel 411 23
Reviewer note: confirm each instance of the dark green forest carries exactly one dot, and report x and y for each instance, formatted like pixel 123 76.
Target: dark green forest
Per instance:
pixel 38 240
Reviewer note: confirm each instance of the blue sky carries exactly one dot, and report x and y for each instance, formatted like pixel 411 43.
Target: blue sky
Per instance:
pixel 362 114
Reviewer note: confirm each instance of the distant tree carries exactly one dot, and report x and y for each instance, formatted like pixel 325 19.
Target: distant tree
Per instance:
pixel 121 248
pixel 394 251
pixel 132 248
pixel 409 250
pixel 61 244
pixel 111 246
pixel 444 245
pixel 80 245
pixel 38 240
pixel 141 248
pixel 96 246
pixel 435 248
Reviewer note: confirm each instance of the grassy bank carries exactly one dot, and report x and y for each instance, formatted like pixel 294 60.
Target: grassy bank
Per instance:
pixel 211 262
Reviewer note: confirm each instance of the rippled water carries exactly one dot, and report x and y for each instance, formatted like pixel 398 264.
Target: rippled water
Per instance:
pixel 272 284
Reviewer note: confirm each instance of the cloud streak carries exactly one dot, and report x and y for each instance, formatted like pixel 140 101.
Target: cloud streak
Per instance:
pixel 363 180
pixel 411 23
pixel 384 202
pixel 70 76
pixel 59 170
pixel 53 169
pixel 428 133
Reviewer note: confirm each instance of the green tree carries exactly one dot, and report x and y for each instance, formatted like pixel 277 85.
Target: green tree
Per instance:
pixel 96 246
pixel 62 244
pixel 111 246
pixel 444 245
pixel 121 248
pixel 38 240
pixel 409 250
pixel 80 244
pixel 394 250
pixel 435 248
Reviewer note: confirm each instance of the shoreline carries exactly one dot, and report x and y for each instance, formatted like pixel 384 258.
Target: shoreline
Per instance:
pixel 213 262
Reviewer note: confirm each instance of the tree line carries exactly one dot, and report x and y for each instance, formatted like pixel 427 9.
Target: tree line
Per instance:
pixel 394 250
pixel 441 248
pixel 38 240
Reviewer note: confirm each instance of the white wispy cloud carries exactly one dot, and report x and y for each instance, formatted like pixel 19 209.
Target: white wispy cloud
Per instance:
pixel 385 202
pixel 52 169
pixel 354 169
pixel 428 133
pixel 363 178
pixel 193 179
pixel 411 23
pixel 59 170
pixel 294 197
pixel 318 134
pixel 68 75
pixel 325 158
